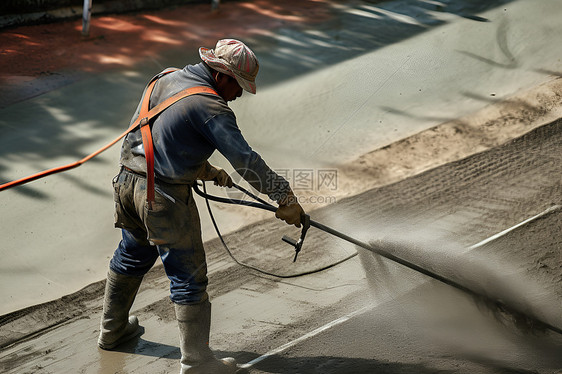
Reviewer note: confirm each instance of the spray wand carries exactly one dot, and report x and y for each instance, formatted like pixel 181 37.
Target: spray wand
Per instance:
pixel 521 317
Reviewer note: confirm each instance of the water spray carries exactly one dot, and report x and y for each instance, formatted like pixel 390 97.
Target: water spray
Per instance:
pixel 498 307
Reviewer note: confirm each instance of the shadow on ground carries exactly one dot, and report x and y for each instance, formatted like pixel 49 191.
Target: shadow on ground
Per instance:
pixel 291 39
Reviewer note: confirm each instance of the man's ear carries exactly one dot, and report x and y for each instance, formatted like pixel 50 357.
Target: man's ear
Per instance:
pixel 222 78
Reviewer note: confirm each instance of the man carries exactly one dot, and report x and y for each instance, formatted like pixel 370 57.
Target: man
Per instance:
pixel 184 136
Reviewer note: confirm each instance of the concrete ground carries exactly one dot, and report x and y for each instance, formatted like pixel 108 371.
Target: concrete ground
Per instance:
pixel 366 314
pixel 378 92
pixel 337 80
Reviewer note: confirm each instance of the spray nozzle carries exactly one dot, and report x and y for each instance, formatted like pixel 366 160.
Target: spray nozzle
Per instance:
pixel 305 222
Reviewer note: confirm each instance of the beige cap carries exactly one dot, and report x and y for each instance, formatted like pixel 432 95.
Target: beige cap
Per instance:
pixel 234 58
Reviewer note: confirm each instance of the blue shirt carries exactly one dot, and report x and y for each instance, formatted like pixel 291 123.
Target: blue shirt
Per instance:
pixel 190 130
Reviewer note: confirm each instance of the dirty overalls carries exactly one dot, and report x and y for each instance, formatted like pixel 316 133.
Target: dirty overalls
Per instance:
pixel 185 135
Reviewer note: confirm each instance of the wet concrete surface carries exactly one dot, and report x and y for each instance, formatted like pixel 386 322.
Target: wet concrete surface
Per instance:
pixel 407 324
pixel 354 77
pixel 430 330
pixel 359 76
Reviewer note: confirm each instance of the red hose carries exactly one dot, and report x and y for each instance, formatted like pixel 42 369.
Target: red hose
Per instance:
pixel 59 169
pixel 145 115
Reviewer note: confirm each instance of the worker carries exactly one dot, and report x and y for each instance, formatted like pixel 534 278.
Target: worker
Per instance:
pixel 184 135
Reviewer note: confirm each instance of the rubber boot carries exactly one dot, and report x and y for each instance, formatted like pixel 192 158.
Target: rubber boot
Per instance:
pixel 196 357
pixel 116 325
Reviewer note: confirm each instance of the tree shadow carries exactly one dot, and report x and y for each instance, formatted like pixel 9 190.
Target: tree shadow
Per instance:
pixel 291 39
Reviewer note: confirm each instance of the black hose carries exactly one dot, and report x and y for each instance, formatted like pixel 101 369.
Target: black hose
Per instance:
pixel 493 304
pixel 261 204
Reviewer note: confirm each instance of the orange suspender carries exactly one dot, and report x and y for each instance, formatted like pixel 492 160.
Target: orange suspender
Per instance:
pixel 145 118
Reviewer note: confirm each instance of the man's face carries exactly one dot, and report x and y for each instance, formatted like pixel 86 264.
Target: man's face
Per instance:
pixel 228 87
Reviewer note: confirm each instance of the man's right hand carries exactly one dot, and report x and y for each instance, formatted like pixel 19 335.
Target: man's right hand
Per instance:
pixel 212 173
pixel 222 179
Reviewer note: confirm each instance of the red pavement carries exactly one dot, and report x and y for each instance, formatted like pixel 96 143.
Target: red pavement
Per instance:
pixel 118 41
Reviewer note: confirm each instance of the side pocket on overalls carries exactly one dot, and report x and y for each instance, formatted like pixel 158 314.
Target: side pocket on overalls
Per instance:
pixel 117 202
pixel 121 219
pixel 159 221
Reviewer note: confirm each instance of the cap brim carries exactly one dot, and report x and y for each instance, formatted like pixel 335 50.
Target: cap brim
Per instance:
pixel 245 84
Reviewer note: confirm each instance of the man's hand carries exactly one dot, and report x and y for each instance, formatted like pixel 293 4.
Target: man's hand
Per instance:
pixel 290 213
pixel 222 178
pixel 218 175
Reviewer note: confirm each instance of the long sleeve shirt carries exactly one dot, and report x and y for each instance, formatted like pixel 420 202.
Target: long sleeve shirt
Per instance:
pixel 190 130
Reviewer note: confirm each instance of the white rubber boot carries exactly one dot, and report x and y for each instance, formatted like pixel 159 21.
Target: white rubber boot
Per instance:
pixel 196 357
pixel 116 325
